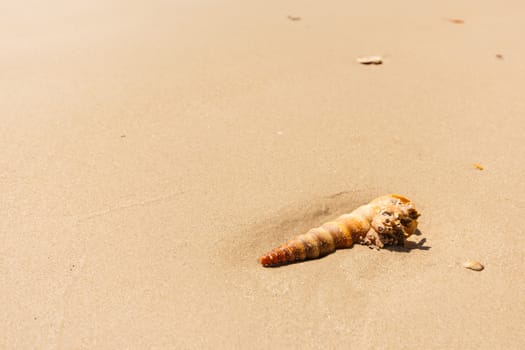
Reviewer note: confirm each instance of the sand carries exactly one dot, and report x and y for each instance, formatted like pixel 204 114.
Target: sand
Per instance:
pixel 152 150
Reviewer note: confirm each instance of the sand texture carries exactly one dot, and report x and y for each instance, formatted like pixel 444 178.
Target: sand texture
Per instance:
pixel 151 151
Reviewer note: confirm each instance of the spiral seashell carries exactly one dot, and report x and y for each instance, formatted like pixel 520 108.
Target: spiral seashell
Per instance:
pixel 387 220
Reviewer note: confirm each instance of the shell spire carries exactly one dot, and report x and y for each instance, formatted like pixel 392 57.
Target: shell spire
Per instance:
pixel 387 220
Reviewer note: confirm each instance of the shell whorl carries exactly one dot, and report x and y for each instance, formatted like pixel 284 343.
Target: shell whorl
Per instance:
pixel 319 241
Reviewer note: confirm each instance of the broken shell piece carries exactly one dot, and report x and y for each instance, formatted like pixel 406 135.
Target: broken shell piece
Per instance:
pixel 370 60
pixel 294 18
pixel 455 20
pixel 477 166
pixel 473 265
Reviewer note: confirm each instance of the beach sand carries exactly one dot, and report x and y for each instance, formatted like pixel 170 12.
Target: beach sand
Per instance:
pixel 152 151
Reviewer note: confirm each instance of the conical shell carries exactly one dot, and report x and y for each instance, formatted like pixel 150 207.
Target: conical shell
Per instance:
pixel 387 220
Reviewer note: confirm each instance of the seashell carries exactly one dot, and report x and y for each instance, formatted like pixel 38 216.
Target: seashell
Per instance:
pixel 387 220
pixel 294 18
pixel 478 166
pixel 473 265
pixel 370 60
pixel 455 20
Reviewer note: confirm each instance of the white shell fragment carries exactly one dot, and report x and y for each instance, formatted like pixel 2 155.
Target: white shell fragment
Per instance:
pixel 370 60
pixel 473 265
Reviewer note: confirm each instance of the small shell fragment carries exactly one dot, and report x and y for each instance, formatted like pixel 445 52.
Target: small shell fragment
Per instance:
pixel 455 20
pixel 477 166
pixel 370 60
pixel 473 265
